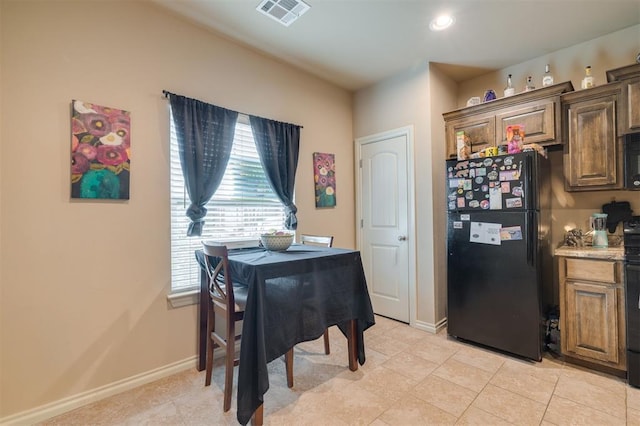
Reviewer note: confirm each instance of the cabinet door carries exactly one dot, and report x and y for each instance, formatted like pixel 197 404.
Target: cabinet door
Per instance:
pixel 481 131
pixel 592 321
pixel 538 118
pixel 630 106
pixel 592 144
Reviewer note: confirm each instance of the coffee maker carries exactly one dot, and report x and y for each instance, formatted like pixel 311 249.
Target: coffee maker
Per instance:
pixel 599 230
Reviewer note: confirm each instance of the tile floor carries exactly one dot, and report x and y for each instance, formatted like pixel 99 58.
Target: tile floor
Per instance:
pixel 410 377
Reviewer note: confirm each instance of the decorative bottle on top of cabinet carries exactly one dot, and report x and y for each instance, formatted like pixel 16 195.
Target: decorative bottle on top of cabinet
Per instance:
pixel 547 79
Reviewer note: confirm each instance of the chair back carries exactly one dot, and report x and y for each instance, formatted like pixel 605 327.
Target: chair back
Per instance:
pixel 317 240
pixel 220 285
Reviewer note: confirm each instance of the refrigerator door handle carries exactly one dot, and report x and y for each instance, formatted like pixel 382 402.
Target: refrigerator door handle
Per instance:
pixel 531 252
pixel 530 190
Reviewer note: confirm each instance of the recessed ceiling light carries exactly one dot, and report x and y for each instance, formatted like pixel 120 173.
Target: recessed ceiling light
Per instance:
pixel 441 22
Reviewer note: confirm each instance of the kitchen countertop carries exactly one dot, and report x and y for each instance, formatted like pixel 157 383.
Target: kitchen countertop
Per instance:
pixel 610 253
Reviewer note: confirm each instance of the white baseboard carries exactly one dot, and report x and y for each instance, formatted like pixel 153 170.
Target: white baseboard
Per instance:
pixel 429 327
pixel 64 405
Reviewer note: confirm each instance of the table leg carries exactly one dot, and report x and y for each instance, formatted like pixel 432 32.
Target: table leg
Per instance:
pixel 256 419
pixel 288 360
pixel 202 324
pixel 352 345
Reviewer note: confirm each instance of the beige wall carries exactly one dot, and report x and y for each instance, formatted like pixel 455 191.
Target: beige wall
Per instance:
pixel 403 100
pixel 442 91
pixel 604 53
pixel 84 283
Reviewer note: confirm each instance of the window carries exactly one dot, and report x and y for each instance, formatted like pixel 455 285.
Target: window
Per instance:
pixel 243 206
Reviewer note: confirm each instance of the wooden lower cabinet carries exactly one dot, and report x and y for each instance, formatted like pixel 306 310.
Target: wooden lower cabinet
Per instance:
pixel 592 322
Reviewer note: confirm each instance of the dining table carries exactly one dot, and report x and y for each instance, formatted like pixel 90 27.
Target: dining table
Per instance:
pixel 293 297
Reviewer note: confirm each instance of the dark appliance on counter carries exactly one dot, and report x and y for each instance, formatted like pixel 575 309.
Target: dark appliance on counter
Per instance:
pixel 632 285
pixel 499 265
pixel 632 161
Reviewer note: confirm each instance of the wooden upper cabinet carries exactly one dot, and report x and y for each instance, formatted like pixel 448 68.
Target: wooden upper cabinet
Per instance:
pixel 481 130
pixel 591 158
pixel 486 124
pixel 629 109
pixel 631 105
pixel 538 118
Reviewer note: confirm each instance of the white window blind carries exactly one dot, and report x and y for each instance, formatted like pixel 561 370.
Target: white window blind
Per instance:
pixel 243 207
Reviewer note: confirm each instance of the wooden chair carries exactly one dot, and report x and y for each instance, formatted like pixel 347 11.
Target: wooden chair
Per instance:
pixel 319 240
pixel 230 301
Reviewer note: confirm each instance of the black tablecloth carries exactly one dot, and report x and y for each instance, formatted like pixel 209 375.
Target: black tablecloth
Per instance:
pixel 293 297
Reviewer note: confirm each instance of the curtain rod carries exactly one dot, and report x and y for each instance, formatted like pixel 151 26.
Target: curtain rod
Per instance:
pixel 167 94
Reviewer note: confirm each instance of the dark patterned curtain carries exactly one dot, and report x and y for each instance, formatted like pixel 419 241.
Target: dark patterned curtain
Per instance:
pixel 278 145
pixel 205 135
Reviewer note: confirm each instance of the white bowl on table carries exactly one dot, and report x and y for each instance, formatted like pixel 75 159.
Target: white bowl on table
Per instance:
pixel 276 242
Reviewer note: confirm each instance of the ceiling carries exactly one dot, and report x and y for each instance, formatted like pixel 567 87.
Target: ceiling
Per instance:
pixel 355 43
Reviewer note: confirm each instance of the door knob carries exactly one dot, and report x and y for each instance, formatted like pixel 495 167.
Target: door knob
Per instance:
pixel 402 238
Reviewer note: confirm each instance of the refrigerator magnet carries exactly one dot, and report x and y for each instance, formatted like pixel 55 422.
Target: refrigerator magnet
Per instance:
pixel 493 175
pixel 505 187
pixel 466 217
pixel 511 233
pixel 514 203
pixel 462 165
pixel 474 204
pixel 457 225
pixel 454 183
pixel 517 191
pixel 484 204
pixel 481 171
pixel 461 202
pixel 495 198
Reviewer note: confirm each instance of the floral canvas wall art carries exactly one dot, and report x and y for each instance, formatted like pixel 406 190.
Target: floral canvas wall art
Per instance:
pixel 100 151
pixel 324 175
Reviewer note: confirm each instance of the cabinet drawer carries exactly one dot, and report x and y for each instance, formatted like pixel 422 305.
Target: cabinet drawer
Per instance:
pixel 592 270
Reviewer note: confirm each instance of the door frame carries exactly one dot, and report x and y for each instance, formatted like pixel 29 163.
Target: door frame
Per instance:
pixel 407 132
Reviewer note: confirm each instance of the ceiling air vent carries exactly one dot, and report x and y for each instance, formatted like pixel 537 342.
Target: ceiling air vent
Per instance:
pixel 283 11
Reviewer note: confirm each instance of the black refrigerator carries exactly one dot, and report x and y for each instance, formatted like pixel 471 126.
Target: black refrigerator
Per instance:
pixel 499 265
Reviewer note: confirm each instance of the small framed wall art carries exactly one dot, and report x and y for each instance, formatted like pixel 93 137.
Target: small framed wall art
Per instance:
pixel 324 176
pixel 100 151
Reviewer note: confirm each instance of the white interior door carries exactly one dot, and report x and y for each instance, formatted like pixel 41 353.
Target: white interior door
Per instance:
pixel 385 228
